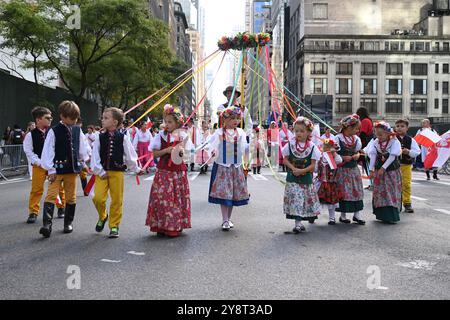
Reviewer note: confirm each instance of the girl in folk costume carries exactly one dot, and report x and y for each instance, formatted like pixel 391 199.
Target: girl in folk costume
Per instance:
pixel 194 140
pixel 300 156
pixel 385 170
pixel 285 136
pixel 327 134
pixel 348 175
pixel 141 143
pixel 169 208
pixel 329 191
pixel 202 155
pixel 257 151
pixel 228 186
pixel 273 145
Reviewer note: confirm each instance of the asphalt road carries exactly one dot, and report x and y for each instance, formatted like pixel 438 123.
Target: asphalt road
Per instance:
pixel 255 260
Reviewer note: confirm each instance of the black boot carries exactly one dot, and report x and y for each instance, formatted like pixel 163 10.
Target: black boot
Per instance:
pixel 47 217
pixel 192 167
pixel 259 170
pixel 68 218
pixel 435 177
pixel 428 174
pixel 206 169
pixel 254 170
pixel 61 213
pixel 83 185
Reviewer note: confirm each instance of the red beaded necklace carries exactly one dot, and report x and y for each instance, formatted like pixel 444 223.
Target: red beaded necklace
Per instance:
pixel 349 142
pixel 383 146
pixel 299 148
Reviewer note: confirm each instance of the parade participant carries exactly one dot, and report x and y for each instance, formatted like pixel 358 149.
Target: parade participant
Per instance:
pixel 329 191
pixel 426 124
pixel 63 156
pixel 285 136
pixel 141 143
pixel 327 134
pixel 273 145
pixel 257 151
pixel 32 146
pixel 91 135
pixel 202 155
pixel 169 208
pixel 112 153
pixel 410 150
pixel 228 92
pixel 348 175
pixel 228 186
pixel 300 156
pixel 84 171
pixel 385 170
pixel 193 142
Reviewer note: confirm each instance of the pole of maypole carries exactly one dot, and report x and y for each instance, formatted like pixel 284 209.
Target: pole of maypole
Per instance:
pixel 243 79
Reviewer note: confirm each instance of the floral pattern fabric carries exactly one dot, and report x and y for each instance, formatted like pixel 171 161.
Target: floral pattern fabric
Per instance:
pixel 387 189
pixel 350 182
pixel 228 186
pixel 300 201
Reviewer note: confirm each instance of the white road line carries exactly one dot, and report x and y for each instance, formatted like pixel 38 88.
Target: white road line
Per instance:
pixel 136 253
pixel 443 211
pixel 111 261
pixel 193 175
pixel 259 177
pixel 418 198
pixel 149 178
pixel 14 181
pixel 444 183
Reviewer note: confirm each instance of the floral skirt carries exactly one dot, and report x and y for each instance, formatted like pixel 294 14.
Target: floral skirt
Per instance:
pixel 387 195
pixel 169 207
pixel 350 182
pixel 228 186
pixel 329 193
pixel 301 201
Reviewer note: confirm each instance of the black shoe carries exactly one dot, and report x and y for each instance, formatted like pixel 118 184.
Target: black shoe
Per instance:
pixel 344 221
pixel 311 220
pixel 47 218
pixel 436 178
pixel 359 221
pixel 259 170
pixel 101 224
pixel 32 218
pixel 408 208
pixel 68 218
pixel 160 234
pixel 192 167
pixel 114 233
pixel 61 212
pixel 331 222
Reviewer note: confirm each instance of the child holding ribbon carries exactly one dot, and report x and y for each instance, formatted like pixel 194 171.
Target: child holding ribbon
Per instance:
pixel 348 175
pixel 228 186
pixel 329 191
pixel 385 170
pixel 169 207
pixel 300 156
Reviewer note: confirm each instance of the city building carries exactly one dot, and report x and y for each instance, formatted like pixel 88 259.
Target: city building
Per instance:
pixel 390 56
pixel 164 10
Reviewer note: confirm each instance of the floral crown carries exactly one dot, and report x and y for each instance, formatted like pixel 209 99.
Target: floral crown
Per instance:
pixel 306 122
pixel 231 111
pixel 350 120
pixel 384 125
pixel 170 110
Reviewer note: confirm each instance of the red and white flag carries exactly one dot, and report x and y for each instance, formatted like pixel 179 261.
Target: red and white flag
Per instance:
pixel 89 189
pixel 427 138
pixel 58 201
pixel 330 159
pixel 439 153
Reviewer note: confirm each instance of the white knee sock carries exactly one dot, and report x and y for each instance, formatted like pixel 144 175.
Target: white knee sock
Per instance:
pixel 331 212
pixel 343 215
pixel 357 215
pixel 298 223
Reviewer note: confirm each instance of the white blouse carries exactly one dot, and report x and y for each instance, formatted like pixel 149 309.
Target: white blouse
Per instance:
pixel 156 142
pixel 340 137
pixel 394 148
pixel 142 137
pixel 311 148
pixel 215 142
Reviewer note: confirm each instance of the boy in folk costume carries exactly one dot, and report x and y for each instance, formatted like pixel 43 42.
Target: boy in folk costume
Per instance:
pixel 410 150
pixel 257 151
pixel 300 157
pixel 63 156
pixel 202 155
pixel 112 154
pixel 329 191
pixel 348 175
pixel 228 186
pixel 385 171
pixel 33 145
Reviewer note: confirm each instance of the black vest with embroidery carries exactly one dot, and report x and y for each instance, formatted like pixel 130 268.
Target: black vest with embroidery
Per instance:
pixel 38 138
pixel 381 159
pixel 111 151
pixel 67 149
pixel 406 142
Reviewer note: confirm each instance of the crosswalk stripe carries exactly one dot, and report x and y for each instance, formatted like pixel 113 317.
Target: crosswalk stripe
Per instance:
pixel 418 198
pixel 149 178
pixel 193 175
pixel 259 177
pixel 443 211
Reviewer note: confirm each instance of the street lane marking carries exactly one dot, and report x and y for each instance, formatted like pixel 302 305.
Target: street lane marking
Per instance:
pixel 110 261
pixel 417 264
pixel 14 181
pixel 149 178
pixel 193 175
pixel 443 211
pixel 259 177
pixel 444 183
pixel 136 253
pixel 418 198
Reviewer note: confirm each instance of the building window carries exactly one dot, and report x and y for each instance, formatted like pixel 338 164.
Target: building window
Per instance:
pixel 394 69
pixel 369 69
pixel 319 68
pixel 445 47
pixel 344 86
pixel 395 46
pixel 343 105
pixel 393 105
pixel 419 69
pixel 369 104
pixel 368 86
pixel 418 86
pixel 344 45
pixel 394 86
pixel 436 85
pixel 445 87
pixel 318 86
pixel 445 68
pixel 436 68
pixel 436 103
pixel 320 11
pixel 436 46
pixel 419 106
pixel 445 106
pixel 369 45
pixel 344 68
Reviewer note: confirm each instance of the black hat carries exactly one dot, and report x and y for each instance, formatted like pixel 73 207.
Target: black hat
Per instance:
pixel 230 88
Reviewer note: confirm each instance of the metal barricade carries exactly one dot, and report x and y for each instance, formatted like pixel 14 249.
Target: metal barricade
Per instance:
pixel 13 161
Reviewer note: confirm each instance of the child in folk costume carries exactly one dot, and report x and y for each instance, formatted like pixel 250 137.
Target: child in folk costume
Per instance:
pixel 273 145
pixel 112 154
pixel 202 155
pixel 300 156
pixel 385 170
pixel 228 186
pixel 141 143
pixel 329 191
pixel 169 208
pixel 193 142
pixel 410 150
pixel 285 136
pixel 348 175
pixel 327 134
pixel 257 151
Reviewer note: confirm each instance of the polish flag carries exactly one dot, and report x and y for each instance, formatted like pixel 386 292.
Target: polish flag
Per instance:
pixel 330 159
pixel 427 138
pixel 149 123
pixel 58 201
pixel 90 186
pixel 439 153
